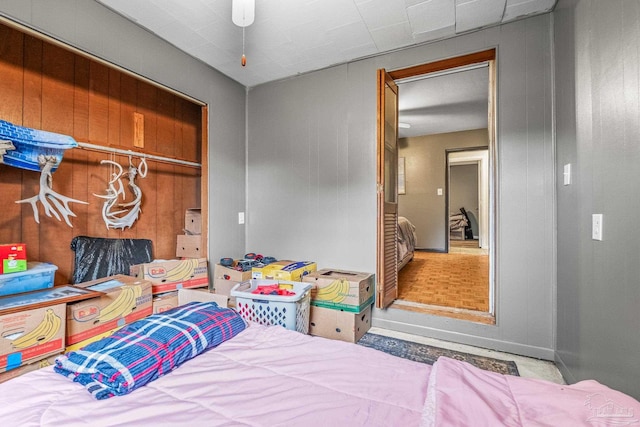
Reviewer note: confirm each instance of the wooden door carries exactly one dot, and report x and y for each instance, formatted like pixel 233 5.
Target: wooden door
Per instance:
pixel 387 191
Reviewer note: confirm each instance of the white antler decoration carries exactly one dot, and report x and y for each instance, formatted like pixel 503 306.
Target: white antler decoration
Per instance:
pixel 115 219
pixel 51 201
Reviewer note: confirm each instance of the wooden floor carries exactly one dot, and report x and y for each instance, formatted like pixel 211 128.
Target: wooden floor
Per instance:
pixel 452 285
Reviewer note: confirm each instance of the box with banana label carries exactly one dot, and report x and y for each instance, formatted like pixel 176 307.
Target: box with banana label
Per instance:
pixel 31 335
pixel 32 366
pixel 125 300
pixel 170 275
pixel 340 289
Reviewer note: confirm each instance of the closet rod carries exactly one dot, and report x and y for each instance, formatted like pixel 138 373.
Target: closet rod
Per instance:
pixel 94 147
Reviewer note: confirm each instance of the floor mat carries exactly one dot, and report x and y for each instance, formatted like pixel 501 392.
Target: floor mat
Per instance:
pixel 429 354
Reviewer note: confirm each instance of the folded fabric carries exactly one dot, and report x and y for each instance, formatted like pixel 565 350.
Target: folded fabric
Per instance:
pixel 149 348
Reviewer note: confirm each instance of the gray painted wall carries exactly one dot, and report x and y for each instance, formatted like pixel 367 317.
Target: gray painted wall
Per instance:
pixel 598 129
pixel 425 172
pixel 90 27
pixel 311 189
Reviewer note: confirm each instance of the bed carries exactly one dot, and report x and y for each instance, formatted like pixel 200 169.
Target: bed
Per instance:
pixel 406 241
pixel 271 376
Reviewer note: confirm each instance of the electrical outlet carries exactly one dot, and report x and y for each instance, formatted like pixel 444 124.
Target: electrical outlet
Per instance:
pixel 596 226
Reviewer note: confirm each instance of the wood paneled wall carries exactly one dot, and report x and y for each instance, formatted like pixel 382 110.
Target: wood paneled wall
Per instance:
pixel 47 87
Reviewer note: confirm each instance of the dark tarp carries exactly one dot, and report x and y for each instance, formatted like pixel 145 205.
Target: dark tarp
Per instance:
pixel 97 257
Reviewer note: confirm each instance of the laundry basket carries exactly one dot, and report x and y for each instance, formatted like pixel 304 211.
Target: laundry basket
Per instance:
pixel 292 311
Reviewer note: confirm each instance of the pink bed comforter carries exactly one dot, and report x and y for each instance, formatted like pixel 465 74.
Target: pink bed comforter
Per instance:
pixel 265 376
pixel 269 376
pixel 462 395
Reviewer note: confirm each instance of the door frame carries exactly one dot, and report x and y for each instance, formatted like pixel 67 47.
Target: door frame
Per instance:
pixel 488 56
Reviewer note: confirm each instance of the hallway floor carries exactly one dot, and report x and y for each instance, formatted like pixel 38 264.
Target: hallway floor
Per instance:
pixel 453 285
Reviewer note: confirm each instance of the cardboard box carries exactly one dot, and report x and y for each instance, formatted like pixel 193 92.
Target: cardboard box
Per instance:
pixel 13 258
pixel 38 275
pixel 30 335
pixel 33 366
pixel 339 289
pixel 338 324
pixel 193 221
pixel 227 273
pixel 84 343
pixel 223 287
pixel 164 302
pixel 189 246
pixel 126 300
pixel 201 295
pixel 171 275
pixel 292 271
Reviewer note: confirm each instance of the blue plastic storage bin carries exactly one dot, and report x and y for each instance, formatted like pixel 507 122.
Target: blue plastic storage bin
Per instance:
pixel 39 275
pixel 29 143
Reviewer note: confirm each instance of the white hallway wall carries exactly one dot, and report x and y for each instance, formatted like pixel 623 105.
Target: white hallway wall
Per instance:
pixel 311 186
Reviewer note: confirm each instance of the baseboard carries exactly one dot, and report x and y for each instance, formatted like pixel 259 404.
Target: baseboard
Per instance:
pixel 564 370
pixel 463 338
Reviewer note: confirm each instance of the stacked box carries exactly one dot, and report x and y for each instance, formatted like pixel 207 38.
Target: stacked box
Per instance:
pixel 292 271
pixel 125 300
pixel 84 343
pixel 13 258
pixel 193 221
pixel 338 324
pixel 225 278
pixel 38 275
pixel 170 300
pixel 189 246
pixel 165 302
pixel 31 335
pixel 21 370
pixel 340 303
pixel 171 275
pixel 340 289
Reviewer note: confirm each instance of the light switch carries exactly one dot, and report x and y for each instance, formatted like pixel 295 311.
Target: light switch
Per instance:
pixel 567 174
pixel 439 191
pixel 596 227
pixel 240 217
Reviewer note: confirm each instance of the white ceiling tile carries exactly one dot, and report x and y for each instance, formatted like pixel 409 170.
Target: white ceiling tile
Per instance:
pixel 518 8
pixel 392 37
pixel 382 13
pixel 432 15
pixel 472 14
pixel 293 36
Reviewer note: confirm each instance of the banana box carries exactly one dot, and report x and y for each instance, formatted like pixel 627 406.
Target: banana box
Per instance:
pixel 339 289
pixel 126 300
pixel 33 366
pixel 30 335
pixel 290 271
pixel 167 276
pixel 84 343
pixel 339 325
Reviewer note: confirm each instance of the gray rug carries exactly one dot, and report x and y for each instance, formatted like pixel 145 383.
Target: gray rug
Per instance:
pixel 429 354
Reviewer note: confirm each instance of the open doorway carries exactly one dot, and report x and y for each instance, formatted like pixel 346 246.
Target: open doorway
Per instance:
pixel 443 119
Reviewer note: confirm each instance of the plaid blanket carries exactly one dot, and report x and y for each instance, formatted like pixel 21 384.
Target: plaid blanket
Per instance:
pixel 149 348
